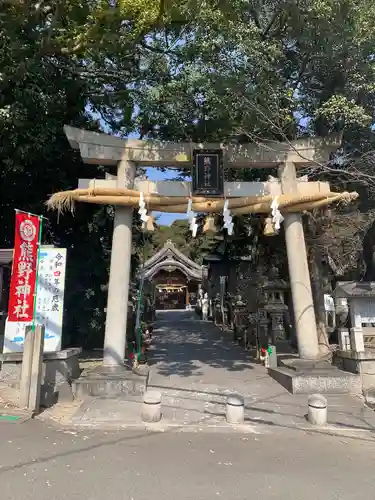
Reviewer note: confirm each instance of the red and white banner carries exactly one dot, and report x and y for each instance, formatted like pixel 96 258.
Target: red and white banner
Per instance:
pixel 24 270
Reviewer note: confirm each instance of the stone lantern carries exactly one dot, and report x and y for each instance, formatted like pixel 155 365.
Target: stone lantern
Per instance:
pixel 271 300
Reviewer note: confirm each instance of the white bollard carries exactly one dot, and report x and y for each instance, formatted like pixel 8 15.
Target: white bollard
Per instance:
pixel 235 413
pixel 151 408
pixel 317 409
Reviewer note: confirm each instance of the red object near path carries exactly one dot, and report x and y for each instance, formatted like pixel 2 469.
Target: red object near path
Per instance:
pixel 24 269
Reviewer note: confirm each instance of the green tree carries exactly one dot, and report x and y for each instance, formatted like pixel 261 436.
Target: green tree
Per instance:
pixel 205 71
pixel 250 71
pixel 180 235
pixel 55 67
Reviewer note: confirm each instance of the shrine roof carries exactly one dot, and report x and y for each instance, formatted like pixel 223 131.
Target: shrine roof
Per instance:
pixel 169 258
pixel 354 289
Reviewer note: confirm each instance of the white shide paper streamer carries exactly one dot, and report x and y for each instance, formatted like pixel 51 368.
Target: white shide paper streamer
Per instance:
pixel 228 224
pixel 143 210
pixel 277 217
pixel 193 226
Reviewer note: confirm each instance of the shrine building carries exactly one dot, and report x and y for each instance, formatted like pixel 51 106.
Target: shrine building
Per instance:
pixel 176 278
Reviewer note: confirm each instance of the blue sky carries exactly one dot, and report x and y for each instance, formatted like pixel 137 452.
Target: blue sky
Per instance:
pixel 156 175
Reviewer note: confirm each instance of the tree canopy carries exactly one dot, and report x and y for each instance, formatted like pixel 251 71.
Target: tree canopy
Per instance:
pixel 234 70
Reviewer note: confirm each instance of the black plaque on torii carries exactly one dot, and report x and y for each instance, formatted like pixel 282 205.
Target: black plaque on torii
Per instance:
pixel 208 172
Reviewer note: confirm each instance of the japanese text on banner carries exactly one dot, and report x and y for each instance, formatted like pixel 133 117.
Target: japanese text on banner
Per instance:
pixel 24 270
pixel 50 295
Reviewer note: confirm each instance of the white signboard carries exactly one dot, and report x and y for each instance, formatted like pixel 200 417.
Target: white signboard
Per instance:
pixel 49 303
pixel 366 309
pixel 50 295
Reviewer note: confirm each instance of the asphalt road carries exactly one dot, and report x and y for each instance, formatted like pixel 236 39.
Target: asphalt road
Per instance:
pixel 43 463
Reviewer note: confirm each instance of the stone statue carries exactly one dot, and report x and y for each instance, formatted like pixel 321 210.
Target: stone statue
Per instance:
pixel 200 298
pixel 239 302
pixel 205 307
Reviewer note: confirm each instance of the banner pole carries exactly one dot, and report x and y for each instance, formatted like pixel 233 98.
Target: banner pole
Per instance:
pixel 30 213
pixel 37 270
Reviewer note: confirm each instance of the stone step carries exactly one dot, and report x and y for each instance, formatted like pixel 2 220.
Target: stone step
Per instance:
pixel 330 381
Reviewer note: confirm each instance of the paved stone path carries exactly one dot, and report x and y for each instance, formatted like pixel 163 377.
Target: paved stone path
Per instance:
pixel 189 352
pixel 196 366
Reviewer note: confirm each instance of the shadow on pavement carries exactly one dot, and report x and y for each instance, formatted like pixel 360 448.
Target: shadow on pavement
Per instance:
pixel 184 344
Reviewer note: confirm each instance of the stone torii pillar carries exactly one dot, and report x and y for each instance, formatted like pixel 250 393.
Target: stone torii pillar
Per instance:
pixel 119 274
pixel 106 150
pixel 299 274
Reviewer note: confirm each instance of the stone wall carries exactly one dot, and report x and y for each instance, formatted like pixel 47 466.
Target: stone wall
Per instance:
pixel 60 369
pixel 361 363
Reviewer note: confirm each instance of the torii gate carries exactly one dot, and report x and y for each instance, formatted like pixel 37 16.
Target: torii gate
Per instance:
pixel 126 154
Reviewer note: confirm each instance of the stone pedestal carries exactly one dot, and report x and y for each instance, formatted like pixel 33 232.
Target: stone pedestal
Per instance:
pixel 359 363
pixel 110 382
pixel 301 376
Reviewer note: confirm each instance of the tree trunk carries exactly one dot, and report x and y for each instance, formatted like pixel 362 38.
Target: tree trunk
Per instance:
pixel 318 290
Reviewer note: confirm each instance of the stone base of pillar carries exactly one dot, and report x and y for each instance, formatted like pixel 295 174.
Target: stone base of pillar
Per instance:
pixel 301 376
pixel 110 382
